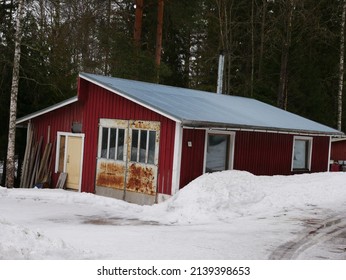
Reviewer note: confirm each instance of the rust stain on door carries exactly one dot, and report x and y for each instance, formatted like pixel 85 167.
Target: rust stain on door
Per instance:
pixel 111 174
pixel 141 179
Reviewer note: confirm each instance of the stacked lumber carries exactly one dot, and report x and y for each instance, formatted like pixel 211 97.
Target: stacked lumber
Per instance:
pixel 36 169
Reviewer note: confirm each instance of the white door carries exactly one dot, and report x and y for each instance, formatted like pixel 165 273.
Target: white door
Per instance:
pixel 69 158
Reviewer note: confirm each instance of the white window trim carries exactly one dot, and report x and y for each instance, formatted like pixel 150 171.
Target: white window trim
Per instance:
pixel 310 141
pixel 231 147
pixel 67 135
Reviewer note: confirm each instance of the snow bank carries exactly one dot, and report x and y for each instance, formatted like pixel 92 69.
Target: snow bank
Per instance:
pixel 20 243
pixel 231 194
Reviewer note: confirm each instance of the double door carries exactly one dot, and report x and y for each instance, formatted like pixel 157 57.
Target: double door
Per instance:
pixel 127 161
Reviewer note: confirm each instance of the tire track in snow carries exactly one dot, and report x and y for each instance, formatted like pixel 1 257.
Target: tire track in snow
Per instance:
pixel 322 231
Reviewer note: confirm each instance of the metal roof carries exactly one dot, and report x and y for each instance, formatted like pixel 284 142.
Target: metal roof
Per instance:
pixel 46 110
pixel 196 108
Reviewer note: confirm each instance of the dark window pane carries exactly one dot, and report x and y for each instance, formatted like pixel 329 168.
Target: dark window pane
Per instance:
pixel 134 145
pixel 217 152
pixel 121 137
pixel 104 142
pixel 143 146
pixel 113 135
pixel 152 142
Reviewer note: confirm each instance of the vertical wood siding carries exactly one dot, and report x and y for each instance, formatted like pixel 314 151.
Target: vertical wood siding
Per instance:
pixel 320 153
pixel 192 158
pixel 257 152
pixel 338 150
pixel 263 153
pixel 271 154
pixel 58 120
pixel 95 103
pixel 100 103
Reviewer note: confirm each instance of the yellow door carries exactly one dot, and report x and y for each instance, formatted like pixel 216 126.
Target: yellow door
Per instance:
pixel 73 162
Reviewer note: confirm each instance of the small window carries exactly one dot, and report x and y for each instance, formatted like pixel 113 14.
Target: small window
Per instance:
pixel 143 146
pixel 112 143
pixel 302 154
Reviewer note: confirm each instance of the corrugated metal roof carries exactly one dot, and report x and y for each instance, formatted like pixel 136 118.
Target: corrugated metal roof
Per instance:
pixel 204 109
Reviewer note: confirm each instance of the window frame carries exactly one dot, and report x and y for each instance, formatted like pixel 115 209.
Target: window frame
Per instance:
pixel 147 146
pixel 116 143
pixel 308 153
pixel 230 147
pixel 62 158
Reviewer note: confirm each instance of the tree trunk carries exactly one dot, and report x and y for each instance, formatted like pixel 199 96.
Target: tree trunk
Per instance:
pixel 286 43
pixel 10 161
pixel 159 37
pixel 252 47
pixel 341 65
pixel 138 23
pixel 261 52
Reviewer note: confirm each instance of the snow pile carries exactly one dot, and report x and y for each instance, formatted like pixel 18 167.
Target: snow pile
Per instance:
pixel 223 215
pixel 231 194
pixel 20 243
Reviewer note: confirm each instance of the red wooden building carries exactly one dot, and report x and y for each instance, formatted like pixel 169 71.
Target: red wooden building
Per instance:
pixel 142 142
pixel 338 154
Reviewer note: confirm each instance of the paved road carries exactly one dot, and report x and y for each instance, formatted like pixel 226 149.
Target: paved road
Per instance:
pixel 323 239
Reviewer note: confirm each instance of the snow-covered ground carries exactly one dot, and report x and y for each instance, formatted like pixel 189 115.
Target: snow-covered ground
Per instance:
pixel 224 215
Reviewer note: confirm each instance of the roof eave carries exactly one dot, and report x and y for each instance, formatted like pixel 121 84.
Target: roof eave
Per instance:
pixel 226 126
pixel 66 102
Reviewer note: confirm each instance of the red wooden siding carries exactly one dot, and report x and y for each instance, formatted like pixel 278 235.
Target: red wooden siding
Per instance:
pixel 271 153
pixel 338 150
pixel 95 103
pixel 192 158
pixel 58 120
pixel 263 153
pixel 100 103
pixel 257 152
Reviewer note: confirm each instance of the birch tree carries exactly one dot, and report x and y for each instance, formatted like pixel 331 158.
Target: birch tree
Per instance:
pixel 341 65
pixel 10 161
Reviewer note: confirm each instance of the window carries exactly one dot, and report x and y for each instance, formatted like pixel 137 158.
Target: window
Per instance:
pixel 302 153
pixel 218 152
pixel 143 146
pixel 112 143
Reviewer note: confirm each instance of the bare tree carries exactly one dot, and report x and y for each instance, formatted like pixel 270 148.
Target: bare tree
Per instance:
pixel 10 161
pixel 159 36
pixel 286 44
pixel 341 65
pixel 138 23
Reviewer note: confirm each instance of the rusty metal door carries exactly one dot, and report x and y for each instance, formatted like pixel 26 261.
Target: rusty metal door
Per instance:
pixel 112 154
pixel 127 161
pixel 143 150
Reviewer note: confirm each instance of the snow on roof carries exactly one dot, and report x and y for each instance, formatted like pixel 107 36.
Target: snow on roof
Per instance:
pixel 196 108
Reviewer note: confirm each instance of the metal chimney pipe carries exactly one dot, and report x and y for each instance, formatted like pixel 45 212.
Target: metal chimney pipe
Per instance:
pixel 220 73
